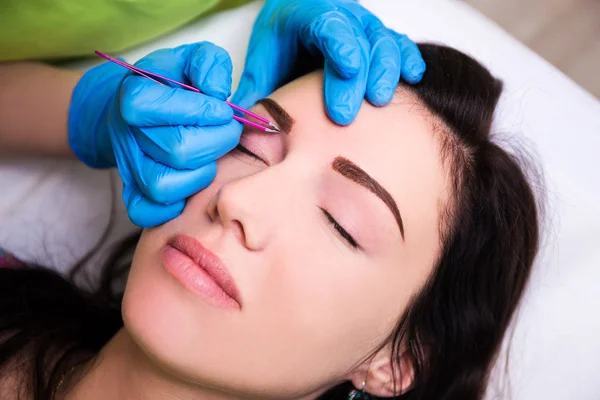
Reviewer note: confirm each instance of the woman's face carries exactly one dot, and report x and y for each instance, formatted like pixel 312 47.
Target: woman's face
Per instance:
pixel 314 297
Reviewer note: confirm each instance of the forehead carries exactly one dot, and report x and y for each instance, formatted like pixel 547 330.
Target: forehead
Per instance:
pixel 397 145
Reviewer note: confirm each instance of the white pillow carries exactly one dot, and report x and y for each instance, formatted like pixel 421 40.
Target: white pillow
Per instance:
pixel 52 212
pixel 554 353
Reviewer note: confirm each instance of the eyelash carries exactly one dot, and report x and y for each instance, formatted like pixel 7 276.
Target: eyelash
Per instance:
pixel 247 152
pixel 343 233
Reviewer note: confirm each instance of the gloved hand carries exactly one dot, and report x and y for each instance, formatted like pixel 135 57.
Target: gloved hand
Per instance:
pixel 163 140
pixel 362 56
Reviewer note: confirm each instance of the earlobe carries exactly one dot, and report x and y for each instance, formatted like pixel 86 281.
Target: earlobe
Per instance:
pixel 389 382
pixel 381 380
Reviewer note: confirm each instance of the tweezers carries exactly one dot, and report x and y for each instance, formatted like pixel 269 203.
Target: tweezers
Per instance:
pixel 156 78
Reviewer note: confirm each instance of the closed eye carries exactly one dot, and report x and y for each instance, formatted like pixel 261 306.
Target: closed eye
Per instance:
pixel 248 153
pixel 340 230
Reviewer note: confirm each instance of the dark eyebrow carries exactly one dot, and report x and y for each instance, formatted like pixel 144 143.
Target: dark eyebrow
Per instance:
pixel 282 119
pixel 353 172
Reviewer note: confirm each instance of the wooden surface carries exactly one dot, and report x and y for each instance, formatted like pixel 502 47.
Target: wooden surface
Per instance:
pixel 564 32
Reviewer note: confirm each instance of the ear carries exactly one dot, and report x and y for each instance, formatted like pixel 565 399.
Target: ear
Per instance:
pixel 381 379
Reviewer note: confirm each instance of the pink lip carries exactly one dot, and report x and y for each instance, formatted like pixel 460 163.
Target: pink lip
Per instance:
pixel 200 271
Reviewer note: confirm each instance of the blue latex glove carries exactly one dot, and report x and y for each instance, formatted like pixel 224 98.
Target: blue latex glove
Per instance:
pixel 362 57
pixel 163 140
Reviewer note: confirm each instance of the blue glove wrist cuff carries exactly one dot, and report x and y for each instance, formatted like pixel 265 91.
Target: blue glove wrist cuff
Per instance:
pixel 90 103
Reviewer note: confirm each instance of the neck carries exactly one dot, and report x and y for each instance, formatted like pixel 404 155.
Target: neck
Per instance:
pixel 123 371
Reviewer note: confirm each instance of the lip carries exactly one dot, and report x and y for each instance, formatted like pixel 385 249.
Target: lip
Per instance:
pixel 200 271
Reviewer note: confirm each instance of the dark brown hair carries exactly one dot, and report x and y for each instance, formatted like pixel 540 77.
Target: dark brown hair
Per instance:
pixel 455 325
pixel 453 329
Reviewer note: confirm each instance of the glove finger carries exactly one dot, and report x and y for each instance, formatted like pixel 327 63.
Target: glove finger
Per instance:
pixel 344 96
pixel 188 147
pixel 385 66
pixel 209 69
pixel 144 212
pixel 156 181
pixel 145 103
pixel 141 210
pixel 337 37
pixel 264 70
pixel 166 185
pixel 413 65
pixel 170 62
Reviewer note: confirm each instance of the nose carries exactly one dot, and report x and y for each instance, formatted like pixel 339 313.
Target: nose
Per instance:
pixel 231 209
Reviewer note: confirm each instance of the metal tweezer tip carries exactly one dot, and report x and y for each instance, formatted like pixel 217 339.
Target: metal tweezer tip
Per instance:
pixel 273 128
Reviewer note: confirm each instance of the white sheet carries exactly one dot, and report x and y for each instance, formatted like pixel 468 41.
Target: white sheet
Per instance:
pixel 554 353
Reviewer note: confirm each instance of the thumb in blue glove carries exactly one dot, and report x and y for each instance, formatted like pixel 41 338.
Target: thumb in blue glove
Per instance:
pixel 362 57
pixel 164 141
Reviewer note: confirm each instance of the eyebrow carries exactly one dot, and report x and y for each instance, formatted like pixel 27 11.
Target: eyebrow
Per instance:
pixel 283 120
pixel 353 172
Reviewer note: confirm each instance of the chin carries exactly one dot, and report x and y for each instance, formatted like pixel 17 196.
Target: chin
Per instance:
pixel 196 344
pixel 187 338
pixel 155 315
pixel 169 324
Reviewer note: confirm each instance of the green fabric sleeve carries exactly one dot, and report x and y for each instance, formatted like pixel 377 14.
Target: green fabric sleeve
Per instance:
pixel 62 29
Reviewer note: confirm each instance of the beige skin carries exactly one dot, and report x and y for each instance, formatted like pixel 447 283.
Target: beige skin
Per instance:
pixel 313 308
pixel 34 108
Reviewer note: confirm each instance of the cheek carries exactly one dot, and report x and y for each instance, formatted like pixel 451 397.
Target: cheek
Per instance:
pixel 235 166
pixel 334 303
pixel 229 168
